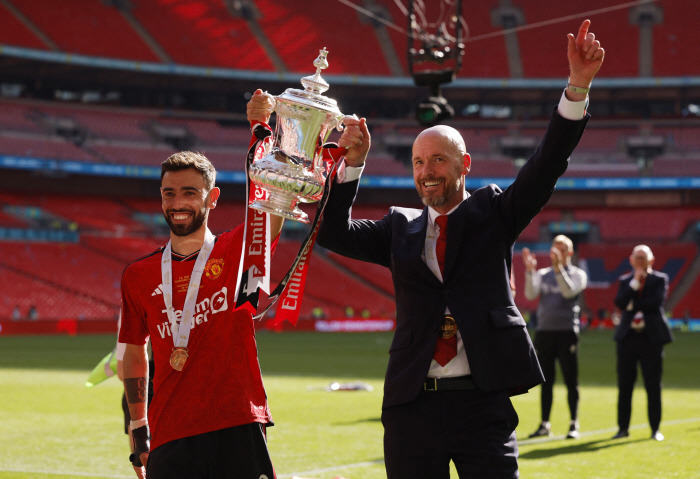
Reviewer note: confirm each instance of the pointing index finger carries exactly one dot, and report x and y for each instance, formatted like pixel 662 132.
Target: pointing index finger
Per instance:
pixel 582 32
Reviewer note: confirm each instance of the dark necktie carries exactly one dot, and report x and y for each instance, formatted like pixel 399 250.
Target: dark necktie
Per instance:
pixel 445 349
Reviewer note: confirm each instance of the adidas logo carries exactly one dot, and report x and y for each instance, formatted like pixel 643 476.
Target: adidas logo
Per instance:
pixel 159 290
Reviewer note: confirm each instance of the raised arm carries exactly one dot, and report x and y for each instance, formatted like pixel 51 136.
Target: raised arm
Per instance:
pixel 536 180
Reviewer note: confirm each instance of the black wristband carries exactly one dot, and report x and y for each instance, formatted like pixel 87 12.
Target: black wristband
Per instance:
pixel 142 443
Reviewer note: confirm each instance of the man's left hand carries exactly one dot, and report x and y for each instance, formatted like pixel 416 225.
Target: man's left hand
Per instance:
pixel 585 56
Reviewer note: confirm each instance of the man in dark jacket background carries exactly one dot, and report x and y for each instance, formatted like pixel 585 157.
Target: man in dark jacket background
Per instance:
pixel 640 336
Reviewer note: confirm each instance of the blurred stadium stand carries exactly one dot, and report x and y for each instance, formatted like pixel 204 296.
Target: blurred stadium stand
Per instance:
pixel 134 114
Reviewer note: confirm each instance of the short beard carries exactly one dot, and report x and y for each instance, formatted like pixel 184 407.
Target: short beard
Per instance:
pixel 451 188
pixel 183 229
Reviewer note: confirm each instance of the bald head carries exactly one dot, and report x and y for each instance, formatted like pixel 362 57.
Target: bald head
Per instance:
pixel 451 137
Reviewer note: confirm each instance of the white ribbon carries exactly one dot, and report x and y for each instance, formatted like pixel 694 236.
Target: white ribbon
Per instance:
pixel 181 333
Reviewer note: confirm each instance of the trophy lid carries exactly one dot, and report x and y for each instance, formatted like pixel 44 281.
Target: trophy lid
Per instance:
pixel 314 87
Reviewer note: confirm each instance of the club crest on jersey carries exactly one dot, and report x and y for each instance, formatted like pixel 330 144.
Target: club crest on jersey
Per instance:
pixel 213 268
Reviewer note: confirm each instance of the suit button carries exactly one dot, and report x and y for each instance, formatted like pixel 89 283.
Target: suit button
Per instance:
pixel 445 293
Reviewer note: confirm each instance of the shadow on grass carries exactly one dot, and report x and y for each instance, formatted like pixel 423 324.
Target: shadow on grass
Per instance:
pixel 359 421
pixel 591 446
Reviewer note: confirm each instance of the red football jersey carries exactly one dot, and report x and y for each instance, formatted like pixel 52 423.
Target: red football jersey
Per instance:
pixel 220 385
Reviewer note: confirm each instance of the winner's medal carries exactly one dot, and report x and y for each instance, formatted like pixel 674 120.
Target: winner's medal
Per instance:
pixel 181 332
pixel 448 328
pixel 178 358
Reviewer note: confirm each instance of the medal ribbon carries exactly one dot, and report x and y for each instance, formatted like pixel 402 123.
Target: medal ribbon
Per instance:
pixel 181 332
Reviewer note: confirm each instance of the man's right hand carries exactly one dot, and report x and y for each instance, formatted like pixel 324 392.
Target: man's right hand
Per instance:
pixel 357 140
pixel 141 471
pixel 259 107
pixel 529 260
pixel 141 437
pixel 640 274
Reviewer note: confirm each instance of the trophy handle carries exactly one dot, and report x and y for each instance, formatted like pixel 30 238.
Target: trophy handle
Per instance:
pixel 341 124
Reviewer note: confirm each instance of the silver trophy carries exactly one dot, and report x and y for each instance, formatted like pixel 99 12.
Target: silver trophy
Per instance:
pixel 292 169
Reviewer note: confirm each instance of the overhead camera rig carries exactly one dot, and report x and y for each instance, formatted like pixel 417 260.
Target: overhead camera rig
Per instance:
pixel 434 58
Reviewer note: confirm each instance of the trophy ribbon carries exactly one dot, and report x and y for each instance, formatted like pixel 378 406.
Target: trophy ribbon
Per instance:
pixel 290 290
pixel 181 332
pixel 254 266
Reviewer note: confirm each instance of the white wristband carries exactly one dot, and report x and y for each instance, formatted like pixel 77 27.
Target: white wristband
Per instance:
pixel 138 423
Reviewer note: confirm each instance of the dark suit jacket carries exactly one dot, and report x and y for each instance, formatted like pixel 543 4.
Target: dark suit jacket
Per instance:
pixel 480 237
pixel 650 302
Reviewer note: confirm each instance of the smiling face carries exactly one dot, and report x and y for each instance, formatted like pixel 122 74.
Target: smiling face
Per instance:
pixel 439 166
pixel 186 201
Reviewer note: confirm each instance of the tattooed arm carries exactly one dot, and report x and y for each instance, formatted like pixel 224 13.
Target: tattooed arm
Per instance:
pixel 136 388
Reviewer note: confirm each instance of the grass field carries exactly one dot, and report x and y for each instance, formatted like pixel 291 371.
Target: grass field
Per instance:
pixel 51 426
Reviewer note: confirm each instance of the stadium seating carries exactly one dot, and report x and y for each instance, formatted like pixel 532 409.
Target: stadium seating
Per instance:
pixel 14 32
pixel 206 33
pixel 670 49
pixel 201 33
pixel 690 303
pixel 42 146
pixel 375 275
pixel 656 224
pixel 88 27
pixel 143 154
pixel 93 213
pixel 51 302
pixel 300 29
pixel 9 221
pixel 126 249
pixel 72 266
pixel 16 116
pixel 613 28
pixel 674 166
pixel 482 58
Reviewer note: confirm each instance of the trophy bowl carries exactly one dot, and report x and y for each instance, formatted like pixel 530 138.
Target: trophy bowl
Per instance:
pixel 292 170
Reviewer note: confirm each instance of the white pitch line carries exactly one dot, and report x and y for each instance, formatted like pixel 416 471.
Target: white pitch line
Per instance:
pixel 334 468
pixel 66 473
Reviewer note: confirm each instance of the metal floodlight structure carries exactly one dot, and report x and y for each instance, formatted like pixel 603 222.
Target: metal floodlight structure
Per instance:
pixel 435 51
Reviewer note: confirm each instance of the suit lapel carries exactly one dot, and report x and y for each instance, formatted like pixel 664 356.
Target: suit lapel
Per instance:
pixel 455 232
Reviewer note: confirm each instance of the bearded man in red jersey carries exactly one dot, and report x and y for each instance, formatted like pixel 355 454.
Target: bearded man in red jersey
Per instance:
pixel 209 410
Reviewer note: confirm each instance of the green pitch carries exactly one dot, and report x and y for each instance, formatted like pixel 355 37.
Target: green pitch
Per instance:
pixel 52 427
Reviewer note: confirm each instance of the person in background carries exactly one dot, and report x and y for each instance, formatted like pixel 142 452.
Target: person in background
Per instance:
pixel 640 336
pixel 556 337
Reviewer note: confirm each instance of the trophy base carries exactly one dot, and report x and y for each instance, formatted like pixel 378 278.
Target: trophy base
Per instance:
pixel 285 207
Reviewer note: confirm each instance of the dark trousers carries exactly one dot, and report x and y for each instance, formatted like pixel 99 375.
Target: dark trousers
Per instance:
pixel 474 429
pixel 238 452
pixel 636 348
pixel 550 347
